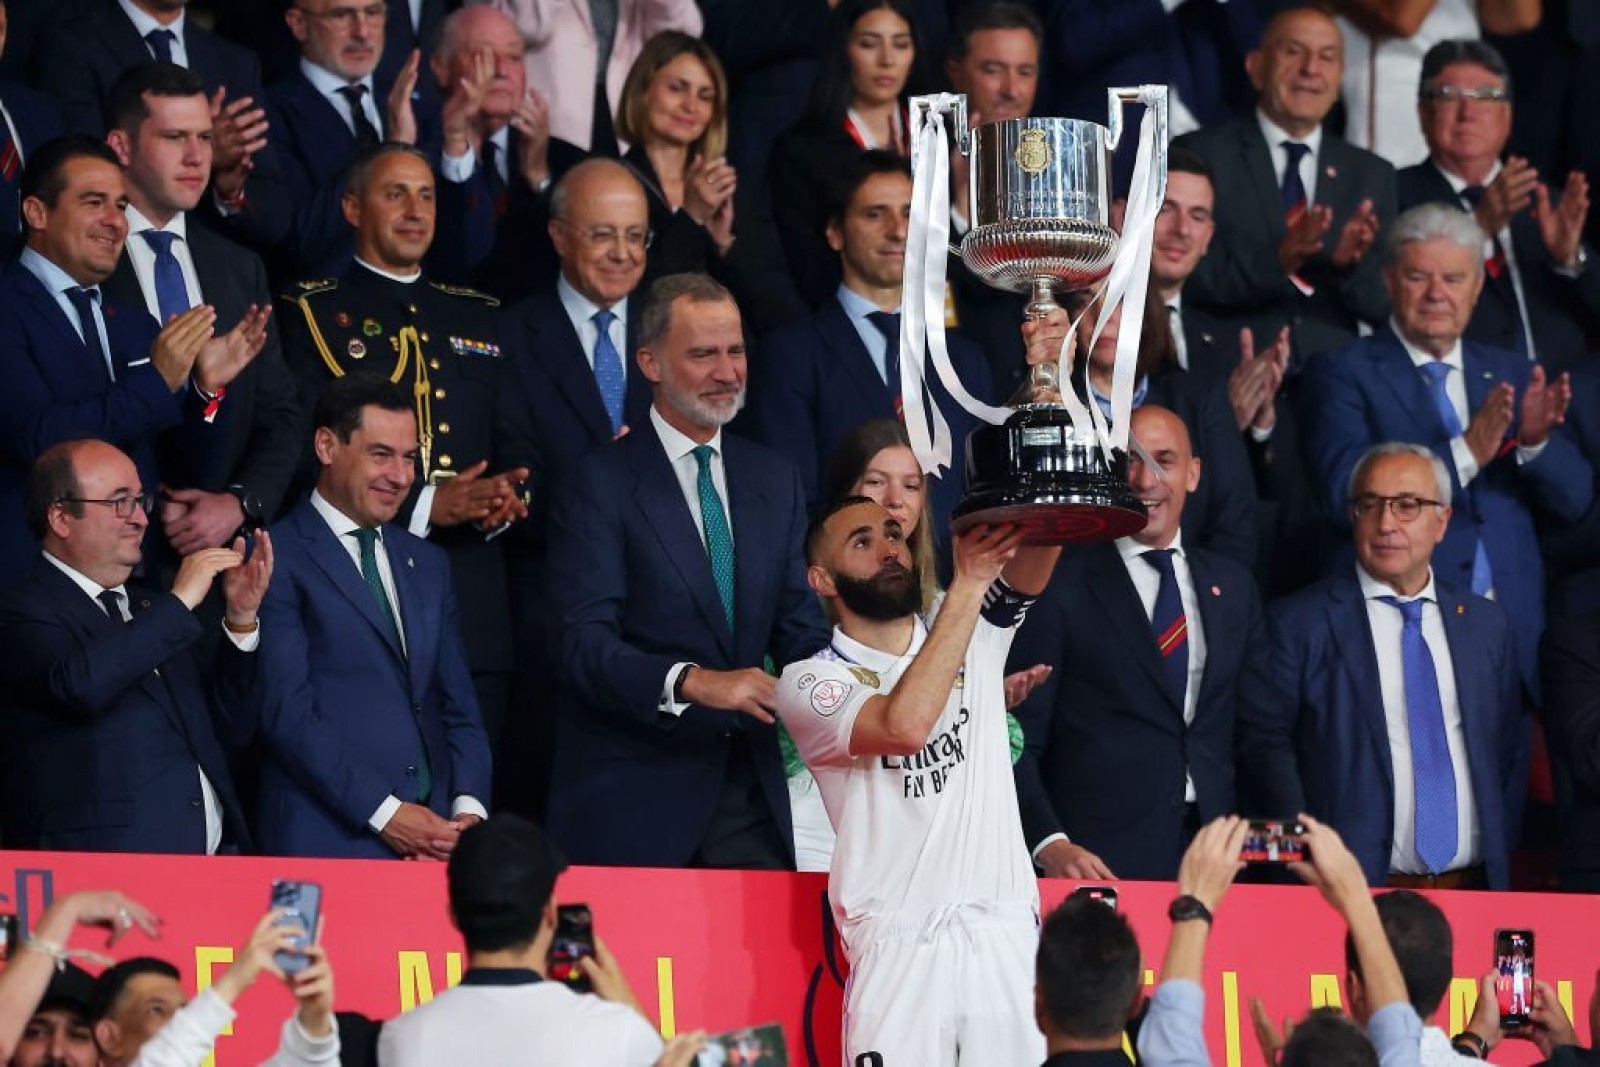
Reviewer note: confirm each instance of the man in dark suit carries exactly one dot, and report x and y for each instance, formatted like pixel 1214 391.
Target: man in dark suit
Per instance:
pixel 386 318
pixel 1570 667
pixel 1542 295
pixel 1400 689
pixel 1490 415
pixel 78 365
pixel 816 381
pixel 370 726
pixel 109 743
pixel 1297 209
pixel 173 262
pixel 27 120
pixel 1159 707
pixel 676 569
pixel 89 49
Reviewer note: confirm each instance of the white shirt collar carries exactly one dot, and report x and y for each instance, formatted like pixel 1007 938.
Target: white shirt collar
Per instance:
pixel 327 82
pixel 1372 589
pixel 403 279
pixel 341 524
pixel 144 22
pixel 1458 183
pixel 1421 358
pixel 1276 135
pixel 91 588
pixel 873 659
pixel 137 223
pixel 581 309
pixel 49 273
pixel 676 444
pixel 1129 548
pixel 1176 303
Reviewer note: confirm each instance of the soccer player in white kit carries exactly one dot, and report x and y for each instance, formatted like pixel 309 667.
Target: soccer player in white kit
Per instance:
pixel 904 728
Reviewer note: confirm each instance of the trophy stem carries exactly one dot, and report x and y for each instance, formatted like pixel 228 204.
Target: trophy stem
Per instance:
pixel 1043 385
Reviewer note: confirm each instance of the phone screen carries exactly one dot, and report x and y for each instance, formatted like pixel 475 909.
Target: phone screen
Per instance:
pixel 574 940
pixel 1513 975
pixel 302 906
pixel 756 1046
pixel 8 936
pixel 1105 894
pixel 1274 841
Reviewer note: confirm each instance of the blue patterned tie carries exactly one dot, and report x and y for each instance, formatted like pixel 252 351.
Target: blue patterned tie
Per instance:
pixel 1433 775
pixel 609 374
pixel 1169 623
pixel 1436 373
pixel 719 540
pixel 368 540
pixel 1293 188
pixel 172 295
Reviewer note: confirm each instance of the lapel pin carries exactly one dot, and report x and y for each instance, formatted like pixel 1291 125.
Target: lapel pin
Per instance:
pixel 1461 609
pixel 1331 172
pixel 411 563
pixel 1206 337
pixel 1488 375
pixel 1216 591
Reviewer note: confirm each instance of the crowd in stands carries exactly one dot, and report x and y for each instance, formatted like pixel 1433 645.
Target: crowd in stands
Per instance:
pixel 412 410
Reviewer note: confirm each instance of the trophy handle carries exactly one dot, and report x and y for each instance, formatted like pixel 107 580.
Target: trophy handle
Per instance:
pixel 1153 97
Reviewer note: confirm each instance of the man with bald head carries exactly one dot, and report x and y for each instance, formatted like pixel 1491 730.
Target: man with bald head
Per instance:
pixel 1157 717
pixel 1298 210
pixel 107 741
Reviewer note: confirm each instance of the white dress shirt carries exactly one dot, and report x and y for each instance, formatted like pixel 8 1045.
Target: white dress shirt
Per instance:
pixel 343 528
pixel 680 453
pixel 1387 625
pixel 857 308
pixel 1175 323
pixel 144 24
pixel 328 84
pixel 143 258
pixel 1275 136
pixel 1457 184
pixel 458 169
pixel 58 281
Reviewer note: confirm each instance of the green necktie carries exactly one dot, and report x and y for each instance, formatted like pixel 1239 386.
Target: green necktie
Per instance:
pixel 368 540
pixel 719 539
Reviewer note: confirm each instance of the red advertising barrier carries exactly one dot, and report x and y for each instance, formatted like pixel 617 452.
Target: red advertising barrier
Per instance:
pixel 716 950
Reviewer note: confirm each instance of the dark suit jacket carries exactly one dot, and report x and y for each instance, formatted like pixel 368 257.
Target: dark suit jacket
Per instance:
pixel 1570 667
pixel 1371 393
pixel 106 722
pixel 260 431
pixel 1240 280
pixel 632 594
pixel 1571 550
pixel 37 119
pixel 1106 748
pixel 1563 312
pixel 813 383
pixel 57 389
pixel 804 165
pixel 341 707
pixel 1326 673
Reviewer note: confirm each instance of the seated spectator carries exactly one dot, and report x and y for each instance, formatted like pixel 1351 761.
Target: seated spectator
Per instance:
pixel 577 59
pixel 1172 1034
pixel 1542 295
pixel 142 1018
pixel 108 736
pixel 867 72
pixel 1086 984
pixel 1158 712
pixel 502 882
pixel 1297 209
pixel 44 997
pixel 1399 654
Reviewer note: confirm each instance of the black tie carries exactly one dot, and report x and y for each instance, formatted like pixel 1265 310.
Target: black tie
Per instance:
pixel 111 600
pixel 366 132
pixel 491 171
pixel 888 324
pixel 83 301
pixel 160 42
pixel 1294 189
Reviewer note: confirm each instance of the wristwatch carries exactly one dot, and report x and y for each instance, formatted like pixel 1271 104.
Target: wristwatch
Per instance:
pixel 1187 907
pixel 250 504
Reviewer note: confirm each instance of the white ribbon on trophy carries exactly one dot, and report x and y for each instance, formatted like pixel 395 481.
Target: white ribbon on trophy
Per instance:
pixel 922 336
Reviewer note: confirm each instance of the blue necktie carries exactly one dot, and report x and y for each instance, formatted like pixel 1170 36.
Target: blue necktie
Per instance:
pixel 609 374
pixel 1436 373
pixel 368 540
pixel 1169 623
pixel 719 539
pixel 1433 775
pixel 83 301
pixel 172 295
pixel 160 42
pixel 1294 190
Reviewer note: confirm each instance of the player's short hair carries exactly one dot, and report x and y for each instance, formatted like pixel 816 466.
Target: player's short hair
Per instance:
pixel 656 322
pixel 1087 969
pixel 341 403
pixel 819 524
pixel 126 106
pixel 112 981
pixel 1328 1038
pixel 1420 936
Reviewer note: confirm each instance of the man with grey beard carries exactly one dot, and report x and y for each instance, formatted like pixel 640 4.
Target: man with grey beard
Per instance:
pixel 676 569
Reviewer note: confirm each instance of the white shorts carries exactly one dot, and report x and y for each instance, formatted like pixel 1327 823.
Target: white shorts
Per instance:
pixel 951 989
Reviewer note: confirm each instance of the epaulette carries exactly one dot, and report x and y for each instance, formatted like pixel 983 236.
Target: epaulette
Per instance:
pixel 310 288
pixel 461 290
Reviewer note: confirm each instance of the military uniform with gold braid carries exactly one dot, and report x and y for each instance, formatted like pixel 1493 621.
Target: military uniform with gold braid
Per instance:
pixel 442 343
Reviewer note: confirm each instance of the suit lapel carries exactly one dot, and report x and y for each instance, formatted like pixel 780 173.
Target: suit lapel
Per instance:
pixel 1111 585
pixel 1471 700
pixel 1392 365
pixel 849 353
pixel 335 562
pixel 1268 192
pixel 563 354
pixel 1334 189
pixel 122 39
pixel 1358 659
pixel 123 285
pixel 1478 379
pixel 50 311
pixel 748 510
pixel 417 612
pixel 1215 618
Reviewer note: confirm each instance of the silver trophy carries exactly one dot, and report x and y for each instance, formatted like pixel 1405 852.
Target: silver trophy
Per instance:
pixel 1039 191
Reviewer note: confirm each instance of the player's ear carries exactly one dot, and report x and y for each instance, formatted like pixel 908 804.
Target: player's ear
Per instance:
pixel 820 581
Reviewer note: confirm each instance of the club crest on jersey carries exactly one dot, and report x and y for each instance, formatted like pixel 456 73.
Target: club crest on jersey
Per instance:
pixel 864 676
pixel 829 696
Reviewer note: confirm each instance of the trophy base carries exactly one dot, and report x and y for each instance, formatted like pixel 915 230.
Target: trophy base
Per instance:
pixel 1035 472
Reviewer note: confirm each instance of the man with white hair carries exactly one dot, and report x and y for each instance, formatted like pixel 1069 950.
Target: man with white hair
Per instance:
pixel 1491 417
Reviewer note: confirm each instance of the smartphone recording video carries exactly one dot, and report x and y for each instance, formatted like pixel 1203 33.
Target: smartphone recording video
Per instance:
pixel 754 1046
pixel 8 936
pixel 301 903
pixel 1274 841
pixel 574 940
pixel 1513 976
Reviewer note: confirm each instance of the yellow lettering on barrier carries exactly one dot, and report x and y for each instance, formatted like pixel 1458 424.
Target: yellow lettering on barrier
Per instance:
pixel 1325 991
pixel 206 959
pixel 1564 994
pixel 1149 977
pixel 416 977
pixel 1463 999
pixel 1230 1018
pixel 664 998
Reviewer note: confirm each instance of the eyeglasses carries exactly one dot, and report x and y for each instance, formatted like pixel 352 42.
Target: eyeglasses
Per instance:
pixel 605 236
pixel 1405 508
pixel 345 18
pixel 1450 94
pixel 122 506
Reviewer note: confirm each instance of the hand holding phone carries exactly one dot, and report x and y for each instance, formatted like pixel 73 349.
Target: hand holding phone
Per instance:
pixel 574 940
pixel 1274 841
pixel 301 905
pixel 1513 976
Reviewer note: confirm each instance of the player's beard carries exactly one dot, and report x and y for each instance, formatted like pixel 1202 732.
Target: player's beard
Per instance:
pixel 893 593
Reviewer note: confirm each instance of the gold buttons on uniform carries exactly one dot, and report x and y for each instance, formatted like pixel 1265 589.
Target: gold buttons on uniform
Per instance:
pixel 444 427
pixel 438 394
pixel 446 461
pixel 433 364
pixel 425 338
pixel 411 309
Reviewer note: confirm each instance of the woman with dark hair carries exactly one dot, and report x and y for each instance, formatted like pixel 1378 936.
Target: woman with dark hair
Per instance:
pixel 867 70
pixel 674 113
